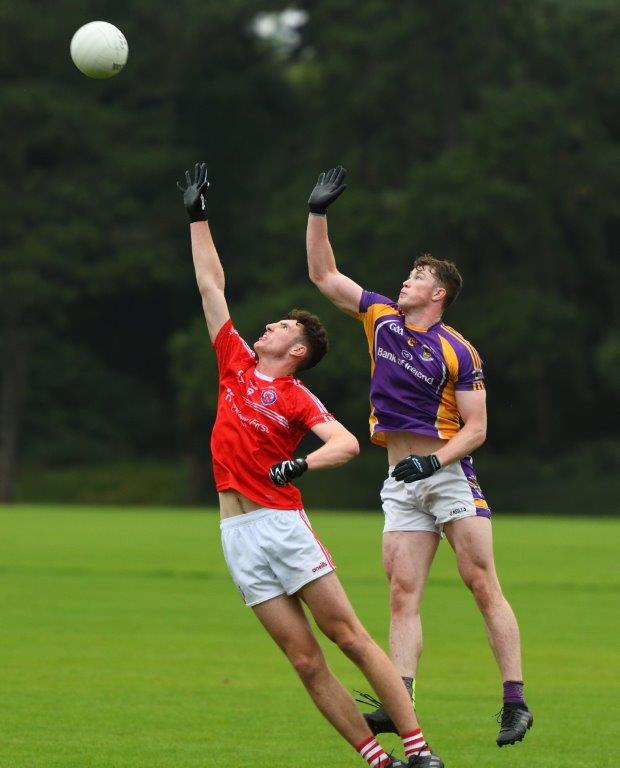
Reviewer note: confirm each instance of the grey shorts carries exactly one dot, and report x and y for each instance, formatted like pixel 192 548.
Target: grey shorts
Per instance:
pixel 271 552
pixel 426 505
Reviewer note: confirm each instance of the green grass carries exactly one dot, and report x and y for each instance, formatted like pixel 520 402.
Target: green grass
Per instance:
pixel 124 645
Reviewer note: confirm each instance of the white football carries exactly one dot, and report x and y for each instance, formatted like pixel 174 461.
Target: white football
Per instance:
pixel 99 50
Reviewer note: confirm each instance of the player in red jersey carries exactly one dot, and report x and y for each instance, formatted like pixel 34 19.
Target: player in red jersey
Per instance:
pixel 428 409
pixel 273 555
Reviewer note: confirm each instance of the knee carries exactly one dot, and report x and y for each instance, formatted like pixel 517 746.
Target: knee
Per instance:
pixel 307 665
pixel 483 586
pixel 353 643
pixel 404 597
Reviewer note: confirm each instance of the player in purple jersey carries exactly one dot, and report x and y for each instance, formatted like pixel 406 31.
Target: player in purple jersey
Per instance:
pixel 428 408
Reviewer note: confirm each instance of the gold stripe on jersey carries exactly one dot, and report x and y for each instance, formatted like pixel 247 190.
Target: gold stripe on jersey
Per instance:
pixel 472 350
pixel 481 503
pixel 450 356
pixel 379 437
pixel 447 412
pixel 369 319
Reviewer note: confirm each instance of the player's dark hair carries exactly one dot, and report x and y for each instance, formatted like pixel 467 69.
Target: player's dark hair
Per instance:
pixel 445 272
pixel 314 337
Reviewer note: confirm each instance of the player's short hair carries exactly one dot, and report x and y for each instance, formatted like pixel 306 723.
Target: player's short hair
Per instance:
pixel 445 272
pixel 314 337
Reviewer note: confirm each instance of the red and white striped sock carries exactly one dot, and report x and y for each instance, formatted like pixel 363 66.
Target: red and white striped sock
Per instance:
pixel 373 753
pixel 414 743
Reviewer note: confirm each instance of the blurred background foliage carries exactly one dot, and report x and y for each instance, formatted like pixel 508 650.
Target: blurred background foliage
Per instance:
pixel 484 132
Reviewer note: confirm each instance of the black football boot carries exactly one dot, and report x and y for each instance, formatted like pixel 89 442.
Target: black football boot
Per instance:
pixel 516 720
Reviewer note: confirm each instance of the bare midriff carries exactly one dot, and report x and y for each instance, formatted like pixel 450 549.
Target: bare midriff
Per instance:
pixel 403 444
pixel 233 503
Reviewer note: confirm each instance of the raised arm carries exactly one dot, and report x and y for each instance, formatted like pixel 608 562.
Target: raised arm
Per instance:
pixel 338 288
pixel 207 265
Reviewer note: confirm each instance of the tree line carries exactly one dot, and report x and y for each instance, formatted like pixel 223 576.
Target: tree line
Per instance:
pixel 484 132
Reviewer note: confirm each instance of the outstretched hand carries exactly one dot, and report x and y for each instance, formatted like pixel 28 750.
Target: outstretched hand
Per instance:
pixel 194 193
pixel 327 189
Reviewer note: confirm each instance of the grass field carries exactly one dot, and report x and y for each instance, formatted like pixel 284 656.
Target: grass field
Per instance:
pixel 124 645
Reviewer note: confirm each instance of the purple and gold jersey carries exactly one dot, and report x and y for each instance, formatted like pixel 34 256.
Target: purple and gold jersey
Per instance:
pixel 415 372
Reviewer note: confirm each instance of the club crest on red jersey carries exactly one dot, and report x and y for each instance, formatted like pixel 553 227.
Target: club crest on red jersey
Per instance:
pixel 268 396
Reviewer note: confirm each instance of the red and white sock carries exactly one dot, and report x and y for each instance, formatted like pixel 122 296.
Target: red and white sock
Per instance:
pixel 414 743
pixel 373 753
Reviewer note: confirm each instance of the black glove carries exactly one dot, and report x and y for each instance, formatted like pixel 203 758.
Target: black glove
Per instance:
pixel 327 189
pixel 193 193
pixel 285 471
pixel 416 468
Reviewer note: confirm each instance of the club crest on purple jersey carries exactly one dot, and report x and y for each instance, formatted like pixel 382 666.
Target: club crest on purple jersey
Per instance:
pixel 426 353
pixel 268 396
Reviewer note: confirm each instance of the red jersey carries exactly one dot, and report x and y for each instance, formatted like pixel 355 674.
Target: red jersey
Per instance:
pixel 260 421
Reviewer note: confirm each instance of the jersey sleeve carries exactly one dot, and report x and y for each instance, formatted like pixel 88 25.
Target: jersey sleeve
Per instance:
pixel 470 374
pixel 309 410
pixel 231 350
pixel 372 306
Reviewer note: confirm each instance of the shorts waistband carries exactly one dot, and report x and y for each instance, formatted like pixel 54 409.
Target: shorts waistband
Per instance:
pixel 251 517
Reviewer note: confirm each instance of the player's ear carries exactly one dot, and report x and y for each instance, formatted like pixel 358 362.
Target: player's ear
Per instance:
pixel 298 351
pixel 439 294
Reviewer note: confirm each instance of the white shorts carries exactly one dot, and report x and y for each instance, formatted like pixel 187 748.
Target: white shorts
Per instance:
pixel 425 505
pixel 271 552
